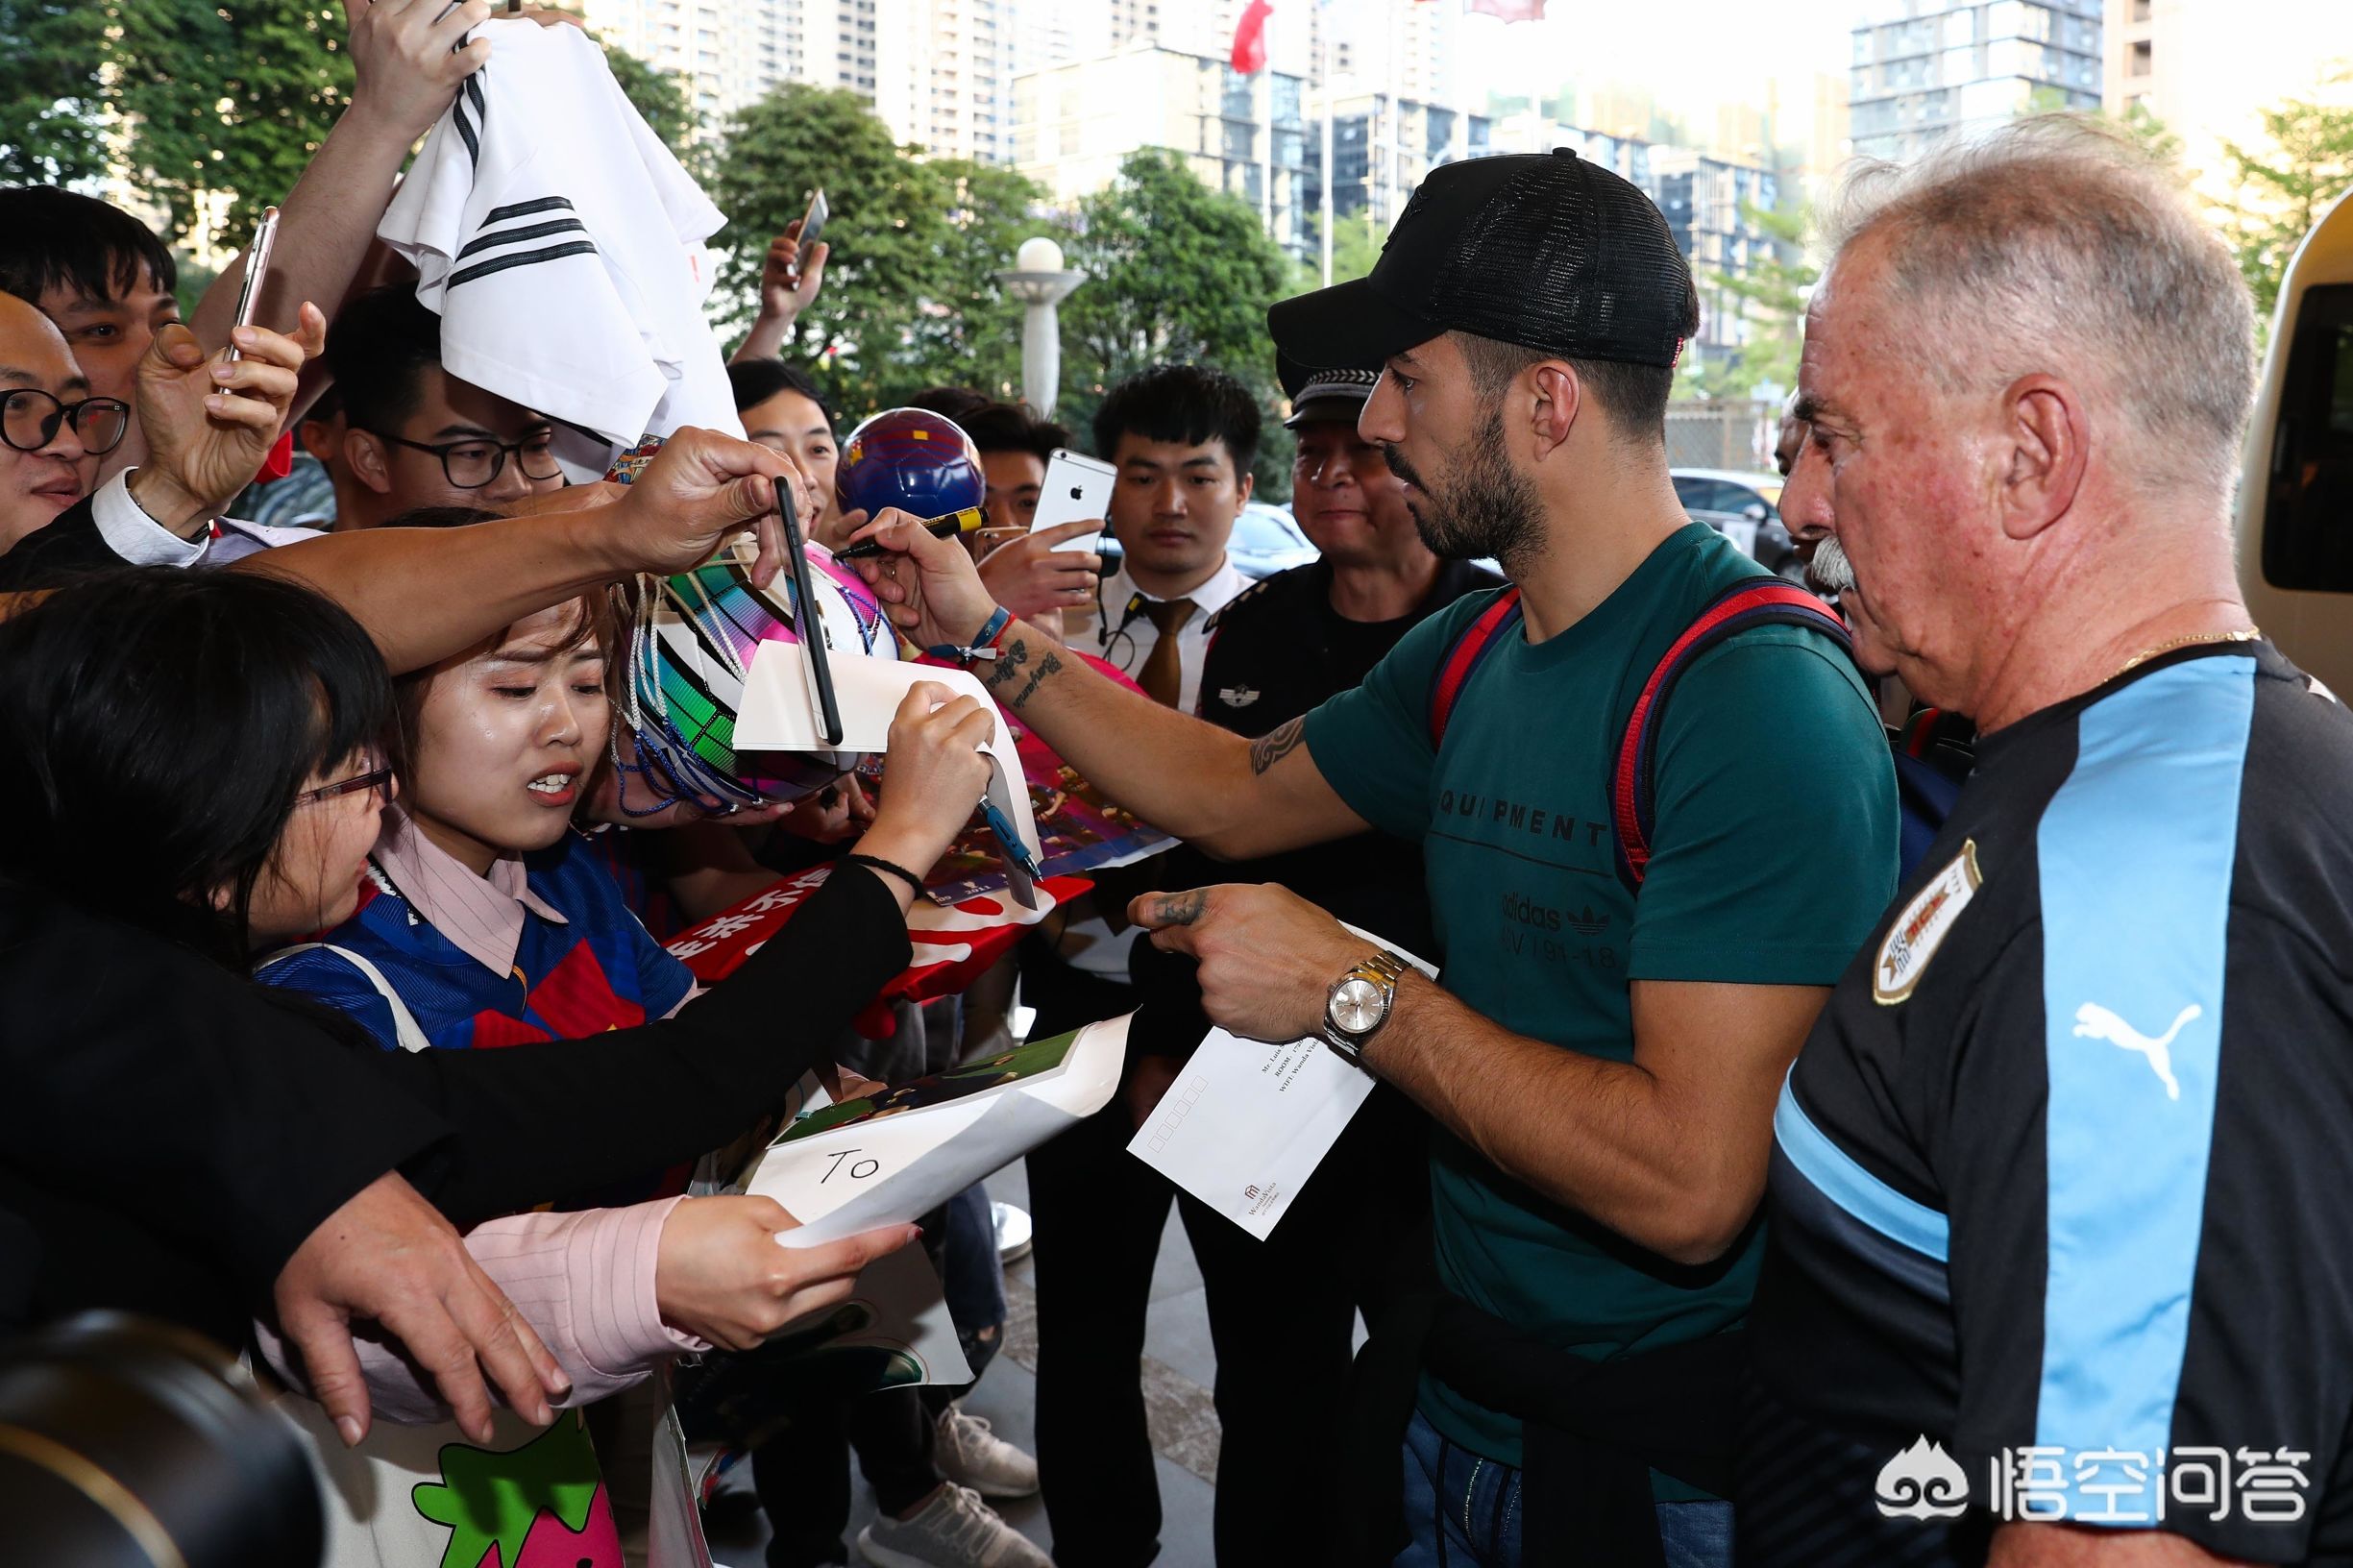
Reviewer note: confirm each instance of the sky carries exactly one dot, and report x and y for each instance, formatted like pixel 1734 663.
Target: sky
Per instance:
pixel 1685 51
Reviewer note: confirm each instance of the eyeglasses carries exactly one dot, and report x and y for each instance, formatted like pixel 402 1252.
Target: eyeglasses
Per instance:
pixel 378 778
pixel 470 465
pixel 31 417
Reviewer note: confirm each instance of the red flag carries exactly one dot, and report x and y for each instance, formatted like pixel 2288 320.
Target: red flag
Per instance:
pixel 1510 11
pixel 1250 37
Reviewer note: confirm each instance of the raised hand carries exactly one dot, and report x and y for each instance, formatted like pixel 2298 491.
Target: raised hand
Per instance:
pixel 209 423
pixel 935 774
pixel 407 60
pixel 701 489
pixel 928 587
pixel 1030 576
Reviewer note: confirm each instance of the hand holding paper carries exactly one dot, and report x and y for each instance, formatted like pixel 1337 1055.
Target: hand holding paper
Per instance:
pixel 877 697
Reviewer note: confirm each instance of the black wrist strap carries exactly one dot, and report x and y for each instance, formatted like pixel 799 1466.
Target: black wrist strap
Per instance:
pixel 892 867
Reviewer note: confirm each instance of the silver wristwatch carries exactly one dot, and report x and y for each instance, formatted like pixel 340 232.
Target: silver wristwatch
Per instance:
pixel 1359 1002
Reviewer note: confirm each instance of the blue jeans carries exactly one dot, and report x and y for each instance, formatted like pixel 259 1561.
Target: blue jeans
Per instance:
pixel 1462 1510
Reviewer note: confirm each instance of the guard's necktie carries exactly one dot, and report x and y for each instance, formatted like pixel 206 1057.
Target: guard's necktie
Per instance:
pixel 1163 675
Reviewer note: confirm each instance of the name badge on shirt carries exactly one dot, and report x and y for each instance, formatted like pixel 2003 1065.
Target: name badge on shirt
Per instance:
pixel 1923 926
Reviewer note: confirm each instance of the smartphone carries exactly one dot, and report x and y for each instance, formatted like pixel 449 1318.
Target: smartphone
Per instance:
pixel 1075 487
pixel 257 267
pixel 811 228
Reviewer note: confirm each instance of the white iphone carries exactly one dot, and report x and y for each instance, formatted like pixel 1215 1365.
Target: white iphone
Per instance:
pixel 1075 487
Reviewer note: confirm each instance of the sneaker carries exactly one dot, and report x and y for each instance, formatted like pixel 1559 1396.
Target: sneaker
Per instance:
pixel 970 1455
pixel 1013 1232
pixel 955 1530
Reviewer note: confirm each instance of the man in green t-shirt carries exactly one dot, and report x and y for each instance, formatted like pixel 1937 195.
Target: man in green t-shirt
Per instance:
pixel 1603 1062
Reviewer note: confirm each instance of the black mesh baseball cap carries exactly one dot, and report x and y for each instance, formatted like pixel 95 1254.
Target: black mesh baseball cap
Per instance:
pixel 1546 251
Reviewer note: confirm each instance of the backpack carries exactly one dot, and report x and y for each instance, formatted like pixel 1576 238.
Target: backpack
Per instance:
pixel 1924 794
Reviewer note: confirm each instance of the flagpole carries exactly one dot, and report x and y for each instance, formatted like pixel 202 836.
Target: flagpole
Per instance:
pixel 1324 33
pixel 1266 181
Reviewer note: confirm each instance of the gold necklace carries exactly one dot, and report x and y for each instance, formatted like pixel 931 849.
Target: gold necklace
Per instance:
pixel 2244 634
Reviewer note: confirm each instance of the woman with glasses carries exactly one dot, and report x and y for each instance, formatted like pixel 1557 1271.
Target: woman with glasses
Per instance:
pixel 192 769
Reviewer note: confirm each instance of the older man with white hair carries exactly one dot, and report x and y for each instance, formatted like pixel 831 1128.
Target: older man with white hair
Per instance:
pixel 2060 1269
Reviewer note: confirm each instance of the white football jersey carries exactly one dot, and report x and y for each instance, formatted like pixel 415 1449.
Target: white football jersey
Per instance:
pixel 562 245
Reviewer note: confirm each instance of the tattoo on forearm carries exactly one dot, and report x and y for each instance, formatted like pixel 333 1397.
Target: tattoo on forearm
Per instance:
pixel 1047 666
pixel 1275 744
pixel 1007 664
pixel 1181 908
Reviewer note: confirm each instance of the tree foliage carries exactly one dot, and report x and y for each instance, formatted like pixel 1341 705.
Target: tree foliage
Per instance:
pixel 232 98
pixel 1356 245
pixel 227 103
pixel 2285 182
pixel 1770 295
pixel 50 53
pixel 911 297
pixel 1177 273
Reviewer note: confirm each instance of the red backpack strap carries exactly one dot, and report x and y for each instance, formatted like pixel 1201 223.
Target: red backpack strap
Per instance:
pixel 1759 602
pixel 1470 650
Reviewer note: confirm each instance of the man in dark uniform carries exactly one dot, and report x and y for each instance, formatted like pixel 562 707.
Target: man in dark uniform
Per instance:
pixel 1282 1311
pixel 2054 1275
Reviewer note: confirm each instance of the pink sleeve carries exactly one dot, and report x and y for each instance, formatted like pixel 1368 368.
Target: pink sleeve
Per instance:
pixel 584 1281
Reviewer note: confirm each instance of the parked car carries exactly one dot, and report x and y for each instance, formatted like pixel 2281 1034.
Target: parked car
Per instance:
pixel 1266 541
pixel 1745 508
pixel 2295 486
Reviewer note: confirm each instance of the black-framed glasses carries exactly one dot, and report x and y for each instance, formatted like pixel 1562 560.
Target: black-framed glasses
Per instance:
pixel 375 778
pixel 29 420
pixel 470 464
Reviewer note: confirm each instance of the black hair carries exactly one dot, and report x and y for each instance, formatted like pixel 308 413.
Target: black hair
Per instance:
pixel 380 347
pixel 53 238
pixel 949 402
pixel 327 406
pixel 156 728
pixel 1633 398
pixel 756 380
pixel 1189 403
pixel 1014 426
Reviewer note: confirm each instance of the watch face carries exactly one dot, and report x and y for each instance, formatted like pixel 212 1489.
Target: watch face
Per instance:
pixel 1358 1007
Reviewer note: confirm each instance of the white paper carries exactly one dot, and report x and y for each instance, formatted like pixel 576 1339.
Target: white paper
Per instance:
pixel 779 714
pixel 1246 1123
pixel 889 1170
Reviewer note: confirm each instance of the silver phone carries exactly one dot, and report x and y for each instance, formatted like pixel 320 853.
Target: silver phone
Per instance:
pixel 1075 487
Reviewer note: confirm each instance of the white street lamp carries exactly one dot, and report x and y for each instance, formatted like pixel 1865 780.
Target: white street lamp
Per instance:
pixel 1040 283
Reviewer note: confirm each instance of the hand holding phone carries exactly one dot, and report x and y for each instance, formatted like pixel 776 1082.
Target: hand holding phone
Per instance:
pixel 812 230
pixel 257 267
pixel 1076 487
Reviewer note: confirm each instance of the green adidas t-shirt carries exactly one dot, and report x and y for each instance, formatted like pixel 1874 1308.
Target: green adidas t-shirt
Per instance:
pixel 1773 852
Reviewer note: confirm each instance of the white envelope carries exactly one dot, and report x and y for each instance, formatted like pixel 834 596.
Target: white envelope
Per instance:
pixel 1246 1123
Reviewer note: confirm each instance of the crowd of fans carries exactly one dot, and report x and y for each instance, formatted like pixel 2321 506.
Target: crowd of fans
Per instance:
pixel 1804 1157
